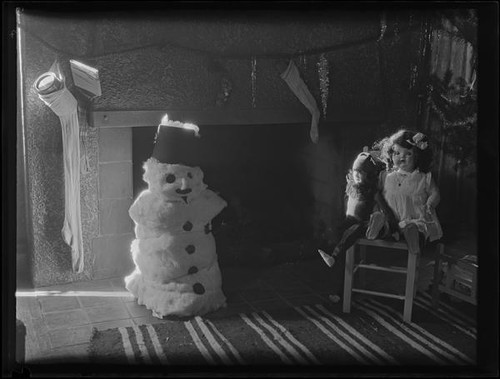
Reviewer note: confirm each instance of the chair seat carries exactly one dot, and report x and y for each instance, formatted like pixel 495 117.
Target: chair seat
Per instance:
pixel 410 272
pixel 383 243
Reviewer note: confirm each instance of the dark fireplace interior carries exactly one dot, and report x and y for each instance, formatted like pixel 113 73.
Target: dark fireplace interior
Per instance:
pixel 261 172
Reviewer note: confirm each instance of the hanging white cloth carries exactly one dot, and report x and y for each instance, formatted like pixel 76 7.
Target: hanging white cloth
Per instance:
pixel 65 106
pixel 292 77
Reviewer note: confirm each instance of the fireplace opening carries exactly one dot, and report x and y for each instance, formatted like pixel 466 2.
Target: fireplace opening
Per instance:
pixel 261 172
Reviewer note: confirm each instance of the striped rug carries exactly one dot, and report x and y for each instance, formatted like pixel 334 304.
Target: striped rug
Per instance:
pixel 317 334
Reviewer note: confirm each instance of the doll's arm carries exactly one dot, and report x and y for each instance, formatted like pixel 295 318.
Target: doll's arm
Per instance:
pixel 386 210
pixel 434 195
pixel 383 205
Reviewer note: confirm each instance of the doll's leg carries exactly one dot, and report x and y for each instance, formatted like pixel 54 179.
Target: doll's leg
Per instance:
pixel 350 236
pixel 412 237
pixel 341 230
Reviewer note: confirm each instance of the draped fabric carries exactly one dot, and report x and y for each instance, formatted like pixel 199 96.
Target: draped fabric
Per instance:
pixel 452 53
pixel 292 77
pixel 65 106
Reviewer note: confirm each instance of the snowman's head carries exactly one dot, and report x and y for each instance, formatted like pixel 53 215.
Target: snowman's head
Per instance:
pixel 175 182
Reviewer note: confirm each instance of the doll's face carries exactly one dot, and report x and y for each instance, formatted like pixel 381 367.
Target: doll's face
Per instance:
pixel 174 181
pixel 403 158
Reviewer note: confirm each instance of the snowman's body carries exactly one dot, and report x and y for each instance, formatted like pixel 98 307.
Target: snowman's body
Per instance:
pixel 177 271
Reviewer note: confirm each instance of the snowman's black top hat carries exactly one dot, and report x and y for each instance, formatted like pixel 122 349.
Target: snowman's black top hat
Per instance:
pixel 177 143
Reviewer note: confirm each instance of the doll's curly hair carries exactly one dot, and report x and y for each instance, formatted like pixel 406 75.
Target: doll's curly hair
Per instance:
pixel 407 139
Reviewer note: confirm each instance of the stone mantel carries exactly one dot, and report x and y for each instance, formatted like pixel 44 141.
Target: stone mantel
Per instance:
pixel 260 117
pixel 113 119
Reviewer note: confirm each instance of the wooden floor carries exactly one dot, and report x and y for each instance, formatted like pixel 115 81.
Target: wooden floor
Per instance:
pixel 59 319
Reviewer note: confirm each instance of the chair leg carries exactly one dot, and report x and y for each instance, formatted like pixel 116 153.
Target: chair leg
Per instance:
pixel 362 272
pixel 348 278
pixel 435 283
pixel 417 271
pixel 410 286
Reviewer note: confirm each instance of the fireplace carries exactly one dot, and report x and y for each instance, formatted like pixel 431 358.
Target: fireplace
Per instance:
pixel 261 171
pixel 284 193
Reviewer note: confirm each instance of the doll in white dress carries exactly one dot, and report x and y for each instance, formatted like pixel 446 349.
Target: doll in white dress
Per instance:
pixel 408 187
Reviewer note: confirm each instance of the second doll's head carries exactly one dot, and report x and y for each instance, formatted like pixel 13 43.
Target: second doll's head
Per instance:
pixel 364 169
pixel 406 150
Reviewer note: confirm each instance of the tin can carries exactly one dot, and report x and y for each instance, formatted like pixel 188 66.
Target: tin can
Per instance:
pixel 48 83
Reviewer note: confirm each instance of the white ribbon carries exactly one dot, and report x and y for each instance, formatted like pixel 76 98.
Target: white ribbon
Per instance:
pixel 65 106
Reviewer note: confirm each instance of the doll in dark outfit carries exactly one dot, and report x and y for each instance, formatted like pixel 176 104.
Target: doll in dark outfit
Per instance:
pixel 367 214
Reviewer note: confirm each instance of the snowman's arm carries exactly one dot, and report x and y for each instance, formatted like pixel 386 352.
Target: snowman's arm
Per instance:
pixel 140 209
pixel 214 202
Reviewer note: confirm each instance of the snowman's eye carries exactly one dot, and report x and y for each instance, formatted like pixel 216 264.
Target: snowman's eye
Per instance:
pixel 170 178
pixel 189 175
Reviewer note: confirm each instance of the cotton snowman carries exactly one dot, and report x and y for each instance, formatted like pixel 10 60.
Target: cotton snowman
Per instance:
pixel 176 267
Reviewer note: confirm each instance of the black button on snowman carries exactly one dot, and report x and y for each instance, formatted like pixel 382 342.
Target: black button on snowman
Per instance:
pixel 177 271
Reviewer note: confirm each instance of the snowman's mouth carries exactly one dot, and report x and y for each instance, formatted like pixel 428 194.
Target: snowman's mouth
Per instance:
pixel 183 191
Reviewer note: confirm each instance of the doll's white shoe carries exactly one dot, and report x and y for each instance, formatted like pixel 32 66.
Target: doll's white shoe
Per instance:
pixel 329 260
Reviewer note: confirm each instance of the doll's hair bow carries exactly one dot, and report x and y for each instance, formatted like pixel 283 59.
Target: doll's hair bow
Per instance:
pixel 418 141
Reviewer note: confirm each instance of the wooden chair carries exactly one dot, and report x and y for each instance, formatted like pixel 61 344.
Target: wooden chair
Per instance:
pixel 411 272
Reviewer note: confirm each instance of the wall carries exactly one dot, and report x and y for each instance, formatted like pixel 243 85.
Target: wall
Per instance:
pixel 50 256
pixel 172 77
pixel 23 258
